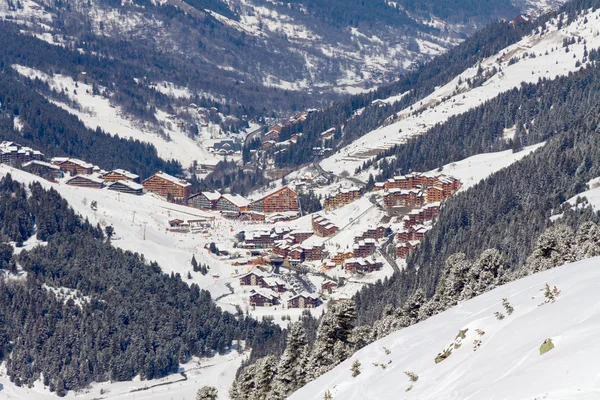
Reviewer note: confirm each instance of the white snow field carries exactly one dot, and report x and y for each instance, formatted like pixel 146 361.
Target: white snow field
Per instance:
pixel 506 366
pixel 474 169
pixel 550 60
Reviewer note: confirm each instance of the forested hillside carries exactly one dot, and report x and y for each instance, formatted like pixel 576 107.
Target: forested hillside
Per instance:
pixel 415 85
pixel 506 211
pixel 52 130
pixel 358 115
pixel 120 316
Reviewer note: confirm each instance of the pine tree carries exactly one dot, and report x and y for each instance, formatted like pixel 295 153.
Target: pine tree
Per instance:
pixel 207 393
pixel 194 264
pixel 554 247
pixel 507 306
pixel 355 368
pixel 332 345
pixel 291 370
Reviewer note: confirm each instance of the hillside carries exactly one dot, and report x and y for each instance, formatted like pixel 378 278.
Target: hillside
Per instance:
pixel 325 47
pixel 506 365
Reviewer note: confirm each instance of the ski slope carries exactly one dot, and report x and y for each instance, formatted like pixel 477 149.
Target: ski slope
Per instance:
pixel 507 365
pixel 549 61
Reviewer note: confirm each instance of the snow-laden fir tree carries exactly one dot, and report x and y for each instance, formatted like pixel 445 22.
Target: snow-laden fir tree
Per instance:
pixel 486 273
pixel 587 241
pixel 291 370
pixel 355 369
pixel 207 393
pixel 333 345
pixel 254 383
pixel 453 280
pixel 554 247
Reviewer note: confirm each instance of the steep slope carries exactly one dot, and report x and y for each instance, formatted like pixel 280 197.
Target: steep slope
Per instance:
pixel 506 365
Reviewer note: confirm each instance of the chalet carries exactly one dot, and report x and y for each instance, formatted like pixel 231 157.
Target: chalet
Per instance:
pixel 279 200
pixel 328 286
pixel 299 236
pixel 168 186
pixel 296 254
pixel 304 300
pixel 232 203
pixel 339 258
pixel 120 175
pixel 403 198
pixel 313 253
pixel 519 20
pixel 426 213
pixel 209 165
pixel 434 194
pixel 403 249
pixel 274 284
pixel 86 181
pixel 258 240
pixel 277 128
pixel 364 248
pixel 328 134
pixel 43 169
pixel 229 146
pixel 323 227
pixel 73 166
pixel 253 278
pixel 263 298
pixel 13 153
pixel 343 197
pixel 281 248
pixel 129 187
pixel 448 184
pixel 362 265
pixel 204 200
pixel 372 233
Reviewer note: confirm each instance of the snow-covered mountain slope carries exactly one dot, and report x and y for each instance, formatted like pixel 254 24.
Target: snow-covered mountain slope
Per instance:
pixel 291 45
pixel 540 55
pixel 506 365
pixel 98 111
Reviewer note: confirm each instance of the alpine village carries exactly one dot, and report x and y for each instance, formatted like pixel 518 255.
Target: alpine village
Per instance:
pixel 252 200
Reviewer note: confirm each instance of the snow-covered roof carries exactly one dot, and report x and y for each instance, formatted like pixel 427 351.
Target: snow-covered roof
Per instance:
pixel 41 163
pixel 86 177
pixel 272 281
pixel 125 173
pixel 256 272
pixel 76 161
pixel 212 195
pixel 264 292
pixel 236 199
pixel 173 179
pixel 305 295
pixel 131 185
